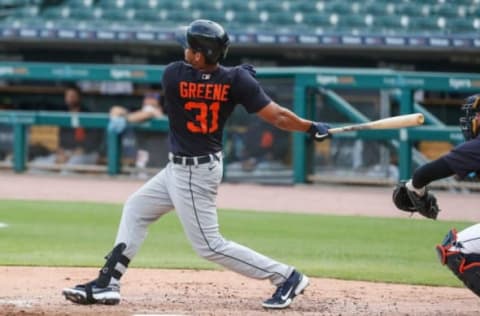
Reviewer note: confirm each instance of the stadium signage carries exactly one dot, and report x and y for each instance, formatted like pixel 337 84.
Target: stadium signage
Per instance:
pixel 459 83
pixel 404 42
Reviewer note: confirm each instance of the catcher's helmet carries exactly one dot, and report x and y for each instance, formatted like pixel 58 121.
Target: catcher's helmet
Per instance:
pixel 470 119
pixel 207 37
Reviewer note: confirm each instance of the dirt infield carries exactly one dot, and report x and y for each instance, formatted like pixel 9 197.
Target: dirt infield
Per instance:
pixel 36 290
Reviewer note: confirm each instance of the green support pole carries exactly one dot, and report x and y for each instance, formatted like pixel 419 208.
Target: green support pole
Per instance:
pixel 19 147
pixel 114 142
pixel 405 148
pixel 299 139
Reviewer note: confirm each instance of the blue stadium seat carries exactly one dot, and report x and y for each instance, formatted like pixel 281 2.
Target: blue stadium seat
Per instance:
pixel 303 6
pixel 236 6
pixel 79 3
pixel 390 25
pixel 149 15
pixel 107 4
pixel 318 20
pixel 269 6
pixel 426 25
pixel 25 12
pixel 340 7
pixel 204 6
pixel 378 8
pixel 118 14
pixel 214 15
pixel 281 18
pixel 461 26
pixel 445 10
pixel 408 9
pixel 181 17
pixel 55 13
pixel 353 23
pixel 86 14
pixel 246 18
pixel 35 22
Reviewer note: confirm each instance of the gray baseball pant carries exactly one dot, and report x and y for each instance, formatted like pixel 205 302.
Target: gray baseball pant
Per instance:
pixel 192 191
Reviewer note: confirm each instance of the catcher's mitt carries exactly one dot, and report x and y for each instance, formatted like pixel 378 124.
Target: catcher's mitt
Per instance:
pixel 409 201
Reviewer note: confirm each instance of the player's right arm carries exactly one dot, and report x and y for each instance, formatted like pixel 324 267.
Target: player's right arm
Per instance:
pixel 283 118
pixel 254 99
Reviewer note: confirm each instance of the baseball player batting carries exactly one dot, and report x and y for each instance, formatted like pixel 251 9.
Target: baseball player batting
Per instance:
pixel 199 96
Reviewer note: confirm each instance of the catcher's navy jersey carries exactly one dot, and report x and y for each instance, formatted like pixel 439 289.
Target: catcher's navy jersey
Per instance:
pixel 198 105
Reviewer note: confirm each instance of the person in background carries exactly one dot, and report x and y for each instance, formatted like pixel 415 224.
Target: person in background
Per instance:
pixel 150 145
pixel 77 145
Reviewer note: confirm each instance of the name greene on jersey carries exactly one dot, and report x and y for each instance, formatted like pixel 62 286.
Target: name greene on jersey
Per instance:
pixel 205 91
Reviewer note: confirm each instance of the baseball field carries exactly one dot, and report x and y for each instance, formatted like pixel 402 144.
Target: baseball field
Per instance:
pixel 364 257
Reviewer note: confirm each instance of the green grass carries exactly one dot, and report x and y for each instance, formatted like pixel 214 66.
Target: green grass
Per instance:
pixel 345 247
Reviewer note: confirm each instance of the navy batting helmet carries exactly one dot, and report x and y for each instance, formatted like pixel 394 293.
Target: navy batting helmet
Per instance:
pixel 207 37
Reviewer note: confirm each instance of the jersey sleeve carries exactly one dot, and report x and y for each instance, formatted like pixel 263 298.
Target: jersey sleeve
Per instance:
pixel 248 92
pixel 166 82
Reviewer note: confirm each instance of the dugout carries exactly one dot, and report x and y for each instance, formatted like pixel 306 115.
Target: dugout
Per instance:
pixel 333 94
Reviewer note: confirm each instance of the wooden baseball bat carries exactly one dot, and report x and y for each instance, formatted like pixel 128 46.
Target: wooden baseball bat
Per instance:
pixel 386 123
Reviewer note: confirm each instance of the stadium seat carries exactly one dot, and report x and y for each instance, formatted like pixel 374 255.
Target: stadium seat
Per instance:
pixel 236 6
pixel 107 4
pixel 426 25
pixel 158 4
pixel 445 10
pixel 25 12
pixel 281 18
pixel 387 24
pixel 204 6
pixel 303 6
pixel 86 14
pixel 181 17
pixel 79 3
pixel 380 9
pixel 118 14
pixel 35 22
pixel 269 6
pixel 462 26
pixel 217 16
pixel 408 9
pixel 340 7
pixel 353 23
pixel 246 18
pixel 55 13
pixel 318 20
pixel 151 15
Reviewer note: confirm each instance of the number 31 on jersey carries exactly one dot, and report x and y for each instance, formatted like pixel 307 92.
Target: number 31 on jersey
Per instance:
pixel 201 124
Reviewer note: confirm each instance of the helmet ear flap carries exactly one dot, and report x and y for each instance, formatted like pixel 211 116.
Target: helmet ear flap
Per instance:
pixel 476 103
pixel 475 125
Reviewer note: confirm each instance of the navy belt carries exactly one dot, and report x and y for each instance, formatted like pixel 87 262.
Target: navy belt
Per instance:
pixel 192 161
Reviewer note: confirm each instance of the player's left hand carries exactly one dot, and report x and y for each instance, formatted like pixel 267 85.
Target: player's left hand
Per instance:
pixel 117 124
pixel 409 201
pixel 319 131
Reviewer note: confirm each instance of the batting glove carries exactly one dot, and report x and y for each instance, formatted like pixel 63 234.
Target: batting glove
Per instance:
pixel 319 131
pixel 117 124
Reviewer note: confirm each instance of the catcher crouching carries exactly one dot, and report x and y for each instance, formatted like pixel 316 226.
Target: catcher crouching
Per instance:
pixel 460 252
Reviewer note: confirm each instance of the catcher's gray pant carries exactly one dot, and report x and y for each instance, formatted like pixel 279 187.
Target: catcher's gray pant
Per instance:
pixel 192 191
